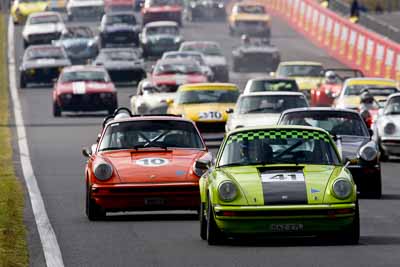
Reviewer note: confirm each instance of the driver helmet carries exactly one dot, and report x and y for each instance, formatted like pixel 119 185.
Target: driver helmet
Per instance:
pixel 245 39
pixel 330 77
pixel 367 98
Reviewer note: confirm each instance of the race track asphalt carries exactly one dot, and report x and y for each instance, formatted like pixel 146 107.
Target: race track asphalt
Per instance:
pixel 172 239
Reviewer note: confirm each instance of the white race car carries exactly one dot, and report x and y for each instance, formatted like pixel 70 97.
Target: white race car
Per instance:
pixel 151 99
pixel 85 9
pixel 43 28
pixel 387 128
pixel 262 108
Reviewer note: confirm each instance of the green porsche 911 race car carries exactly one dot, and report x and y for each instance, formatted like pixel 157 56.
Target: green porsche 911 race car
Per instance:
pixel 278 180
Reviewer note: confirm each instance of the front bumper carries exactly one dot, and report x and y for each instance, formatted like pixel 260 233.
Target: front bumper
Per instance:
pixel 279 220
pixel 391 145
pixel 147 196
pixel 41 75
pixel 126 75
pixel 154 49
pixel 120 39
pixel 87 102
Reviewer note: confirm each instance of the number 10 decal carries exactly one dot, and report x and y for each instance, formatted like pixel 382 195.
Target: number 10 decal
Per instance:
pixel 152 162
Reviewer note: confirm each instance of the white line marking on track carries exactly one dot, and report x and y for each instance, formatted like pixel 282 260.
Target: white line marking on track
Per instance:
pixel 51 249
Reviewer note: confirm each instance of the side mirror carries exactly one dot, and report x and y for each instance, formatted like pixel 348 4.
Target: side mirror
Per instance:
pixel 86 152
pixel 98 138
pixel 371 132
pixel 203 164
pixel 152 68
pixel 229 110
pixel 169 101
pixel 349 161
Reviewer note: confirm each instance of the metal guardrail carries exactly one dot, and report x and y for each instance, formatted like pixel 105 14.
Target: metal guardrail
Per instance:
pixel 367 20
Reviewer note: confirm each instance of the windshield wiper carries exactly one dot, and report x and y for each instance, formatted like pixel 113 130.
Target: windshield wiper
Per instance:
pixel 112 148
pixel 163 146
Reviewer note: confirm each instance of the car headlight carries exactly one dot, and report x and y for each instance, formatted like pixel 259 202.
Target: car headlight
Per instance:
pixel 177 39
pixel 103 171
pixel 220 5
pixel 227 191
pixel 389 128
pixel 368 152
pixel 342 188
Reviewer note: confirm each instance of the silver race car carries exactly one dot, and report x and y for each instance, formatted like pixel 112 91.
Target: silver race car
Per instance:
pixel 84 9
pixel 42 64
pixel 124 65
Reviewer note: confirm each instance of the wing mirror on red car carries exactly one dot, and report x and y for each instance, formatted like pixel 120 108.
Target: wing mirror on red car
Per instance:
pixel 86 152
pixel 203 164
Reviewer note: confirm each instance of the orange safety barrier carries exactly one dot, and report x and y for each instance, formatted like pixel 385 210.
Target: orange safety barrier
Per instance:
pixel 350 43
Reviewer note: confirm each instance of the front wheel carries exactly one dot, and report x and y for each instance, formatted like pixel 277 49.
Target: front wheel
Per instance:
pixel 203 222
pixel 22 82
pixel 56 110
pixel 93 211
pixel 214 234
pixel 352 235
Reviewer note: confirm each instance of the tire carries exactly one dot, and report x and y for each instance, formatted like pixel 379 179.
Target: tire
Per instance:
pixel 376 188
pixel 56 110
pixel 352 235
pixel 22 82
pixel 214 234
pixel 383 155
pixel 26 44
pixel 235 67
pixel 93 211
pixel 111 110
pixel 203 222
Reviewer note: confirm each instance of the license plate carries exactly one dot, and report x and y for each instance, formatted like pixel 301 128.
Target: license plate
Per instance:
pixel 154 201
pixel 286 227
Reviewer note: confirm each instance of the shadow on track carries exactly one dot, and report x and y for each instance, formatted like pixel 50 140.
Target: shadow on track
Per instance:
pixel 151 217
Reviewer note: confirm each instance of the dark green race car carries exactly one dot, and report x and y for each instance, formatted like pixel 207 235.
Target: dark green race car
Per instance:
pixel 278 180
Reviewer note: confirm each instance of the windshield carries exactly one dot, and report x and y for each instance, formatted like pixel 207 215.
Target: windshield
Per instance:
pixel 269 103
pixel 75 76
pixel 196 57
pixel 44 19
pixel 170 30
pixel 300 71
pixel 336 123
pixel 273 85
pixel 151 133
pixel 79 32
pixel 210 49
pixel 393 106
pixel 120 55
pixel 356 90
pixel 295 146
pixel 121 18
pixel 176 67
pixel 207 96
pixel 251 9
pixel 45 53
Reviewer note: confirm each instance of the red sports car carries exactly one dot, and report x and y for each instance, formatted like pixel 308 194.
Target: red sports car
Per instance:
pixel 171 73
pixel 156 10
pixel 84 88
pixel 331 85
pixel 144 163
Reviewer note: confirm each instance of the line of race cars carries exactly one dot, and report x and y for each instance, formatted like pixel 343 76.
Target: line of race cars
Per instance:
pixel 283 168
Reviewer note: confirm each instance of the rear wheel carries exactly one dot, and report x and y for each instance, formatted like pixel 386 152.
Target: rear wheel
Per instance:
pixel 203 222
pixel 93 211
pixel 22 81
pixel 214 234
pixel 56 109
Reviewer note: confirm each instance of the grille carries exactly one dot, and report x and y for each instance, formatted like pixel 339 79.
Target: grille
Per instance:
pixel 290 213
pixel 43 38
pixel 125 75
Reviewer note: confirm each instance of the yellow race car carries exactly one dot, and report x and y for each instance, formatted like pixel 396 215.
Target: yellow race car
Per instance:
pixel 307 74
pixel 21 9
pixel 350 94
pixel 205 104
pixel 250 19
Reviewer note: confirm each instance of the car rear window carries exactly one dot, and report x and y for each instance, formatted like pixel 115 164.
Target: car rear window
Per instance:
pixel 270 103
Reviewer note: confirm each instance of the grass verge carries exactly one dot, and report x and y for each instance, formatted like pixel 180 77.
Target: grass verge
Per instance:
pixel 13 246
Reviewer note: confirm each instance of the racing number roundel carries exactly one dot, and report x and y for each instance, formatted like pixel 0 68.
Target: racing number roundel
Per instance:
pixel 152 162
